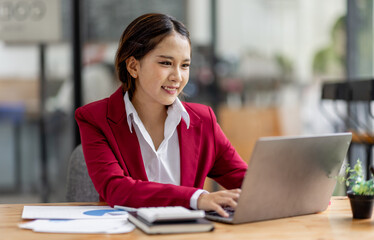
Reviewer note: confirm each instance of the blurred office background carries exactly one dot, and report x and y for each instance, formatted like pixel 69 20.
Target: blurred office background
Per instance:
pixel 259 63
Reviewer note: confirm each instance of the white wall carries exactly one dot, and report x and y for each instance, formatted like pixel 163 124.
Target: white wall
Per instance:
pixel 18 61
pixel 22 61
pixel 295 28
pixel 199 21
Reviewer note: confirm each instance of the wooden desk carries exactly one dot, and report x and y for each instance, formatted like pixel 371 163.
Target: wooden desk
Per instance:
pixel 335 223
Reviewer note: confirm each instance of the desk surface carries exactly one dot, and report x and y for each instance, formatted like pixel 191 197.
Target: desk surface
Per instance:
pixel 334 223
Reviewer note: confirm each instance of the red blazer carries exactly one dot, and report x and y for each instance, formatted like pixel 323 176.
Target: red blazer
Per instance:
pixel 115 163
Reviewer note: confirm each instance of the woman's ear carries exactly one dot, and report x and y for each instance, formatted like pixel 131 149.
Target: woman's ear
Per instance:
pixel 132 66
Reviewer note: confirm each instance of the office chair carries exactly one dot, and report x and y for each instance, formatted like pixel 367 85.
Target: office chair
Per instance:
pixel 79 185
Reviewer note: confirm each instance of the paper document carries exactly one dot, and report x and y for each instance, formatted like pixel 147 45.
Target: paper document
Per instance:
pixel 80 226
pixel 76 219
pixel 72 212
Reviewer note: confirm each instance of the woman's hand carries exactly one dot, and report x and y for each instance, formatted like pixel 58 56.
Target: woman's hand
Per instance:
pixel 216 200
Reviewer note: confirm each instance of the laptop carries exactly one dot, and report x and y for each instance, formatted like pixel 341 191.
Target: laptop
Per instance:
pixel 289 176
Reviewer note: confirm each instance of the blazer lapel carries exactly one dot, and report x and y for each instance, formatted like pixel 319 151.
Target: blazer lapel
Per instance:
pixel 189 145
pixel 127 142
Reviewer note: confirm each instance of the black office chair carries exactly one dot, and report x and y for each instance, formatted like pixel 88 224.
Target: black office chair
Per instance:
pixel 79 185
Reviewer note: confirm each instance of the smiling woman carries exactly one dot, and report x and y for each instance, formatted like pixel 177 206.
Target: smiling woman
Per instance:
pixel 142 145
pixel 141 37
pixel 159 78
pixel 162 73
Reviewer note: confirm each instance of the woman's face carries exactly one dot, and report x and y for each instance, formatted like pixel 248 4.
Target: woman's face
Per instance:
pixel 163 72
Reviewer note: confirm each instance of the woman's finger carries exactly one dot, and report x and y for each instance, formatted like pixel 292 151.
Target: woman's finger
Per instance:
pixel 218 209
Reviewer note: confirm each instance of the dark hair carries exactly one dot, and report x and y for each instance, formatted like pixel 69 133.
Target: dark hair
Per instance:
pixel 140 37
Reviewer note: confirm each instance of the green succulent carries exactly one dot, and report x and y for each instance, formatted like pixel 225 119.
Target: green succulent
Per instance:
pixel 356 180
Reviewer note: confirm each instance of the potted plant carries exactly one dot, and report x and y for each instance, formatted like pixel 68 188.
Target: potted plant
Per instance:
pixel 361 195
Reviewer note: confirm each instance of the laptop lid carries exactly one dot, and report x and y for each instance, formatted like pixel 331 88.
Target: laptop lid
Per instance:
pixel 290 176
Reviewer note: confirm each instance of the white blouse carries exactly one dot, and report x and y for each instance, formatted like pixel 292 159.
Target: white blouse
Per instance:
pixel 161 165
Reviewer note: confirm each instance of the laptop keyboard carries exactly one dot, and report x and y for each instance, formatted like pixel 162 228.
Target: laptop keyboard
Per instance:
pixel 229 210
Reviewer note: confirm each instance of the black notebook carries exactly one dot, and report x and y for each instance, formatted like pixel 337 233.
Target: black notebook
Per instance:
pixel 198 225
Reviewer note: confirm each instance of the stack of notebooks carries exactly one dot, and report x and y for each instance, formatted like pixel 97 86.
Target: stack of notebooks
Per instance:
pixel 170 225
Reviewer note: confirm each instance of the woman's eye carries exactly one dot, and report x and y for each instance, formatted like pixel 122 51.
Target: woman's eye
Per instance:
pixel 166 63
pixel 186 65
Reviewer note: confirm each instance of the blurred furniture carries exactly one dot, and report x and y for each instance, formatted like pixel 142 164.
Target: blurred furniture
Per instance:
pixel 14 113
pixel 18 102
pixel 245 125
pixel 25 91
pixel 334 223
pixel 79 185
pixel 31 94
pixel 354 91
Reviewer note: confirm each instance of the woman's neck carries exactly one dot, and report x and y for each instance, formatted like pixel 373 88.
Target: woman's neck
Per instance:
pixel 153 117
pixel 149 112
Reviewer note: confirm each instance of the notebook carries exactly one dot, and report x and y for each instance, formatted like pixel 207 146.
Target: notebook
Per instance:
pixel 289 176
pixel 167 227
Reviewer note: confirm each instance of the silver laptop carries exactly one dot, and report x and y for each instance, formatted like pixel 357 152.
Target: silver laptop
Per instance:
pixel 289 176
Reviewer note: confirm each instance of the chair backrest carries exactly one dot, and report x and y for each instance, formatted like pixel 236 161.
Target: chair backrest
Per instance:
pixel 79 185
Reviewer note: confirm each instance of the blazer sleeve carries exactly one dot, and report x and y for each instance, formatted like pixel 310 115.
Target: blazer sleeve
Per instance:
pixel 110 176
pixel 228 169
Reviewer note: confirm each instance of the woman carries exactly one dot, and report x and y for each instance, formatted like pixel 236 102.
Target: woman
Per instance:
pixel 143 147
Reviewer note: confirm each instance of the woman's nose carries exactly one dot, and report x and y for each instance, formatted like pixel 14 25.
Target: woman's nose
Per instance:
pixel 176 75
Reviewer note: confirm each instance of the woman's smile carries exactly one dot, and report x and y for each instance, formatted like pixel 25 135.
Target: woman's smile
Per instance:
pixel 170 90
